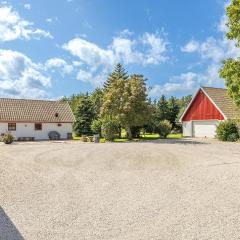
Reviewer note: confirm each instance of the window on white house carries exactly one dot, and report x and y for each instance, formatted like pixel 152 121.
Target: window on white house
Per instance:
pixel 38 126
pixel 12 127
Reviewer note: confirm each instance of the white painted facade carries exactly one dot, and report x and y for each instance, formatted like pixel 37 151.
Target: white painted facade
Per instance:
pixel 201 128
pixel 28 130
pixel 187 128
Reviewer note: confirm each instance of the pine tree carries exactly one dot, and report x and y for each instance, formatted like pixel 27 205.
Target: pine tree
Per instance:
pixel 162 110
pixel 84 115
pixel 173 110
pixel 118 73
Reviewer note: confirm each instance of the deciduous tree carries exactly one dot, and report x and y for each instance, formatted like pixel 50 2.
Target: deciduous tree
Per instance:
pixel 126 101
pixel 231 67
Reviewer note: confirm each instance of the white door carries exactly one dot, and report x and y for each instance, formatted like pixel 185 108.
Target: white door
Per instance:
pixel 204 128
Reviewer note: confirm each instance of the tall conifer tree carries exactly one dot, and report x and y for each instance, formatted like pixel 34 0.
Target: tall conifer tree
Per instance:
pixel 118 73
pixel 84 116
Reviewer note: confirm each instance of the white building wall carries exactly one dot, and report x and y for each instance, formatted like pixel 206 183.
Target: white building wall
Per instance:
pixel 187 129
pixel 28 130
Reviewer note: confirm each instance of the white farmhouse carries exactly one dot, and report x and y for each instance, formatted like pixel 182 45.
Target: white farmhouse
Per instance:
pixel 34 119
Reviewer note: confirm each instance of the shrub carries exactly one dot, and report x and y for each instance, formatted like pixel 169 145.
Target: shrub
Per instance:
pixel 96 126
pixel 7 138
pixel 163 128
pixel 110 128
pixel 135 132
pixel 228 131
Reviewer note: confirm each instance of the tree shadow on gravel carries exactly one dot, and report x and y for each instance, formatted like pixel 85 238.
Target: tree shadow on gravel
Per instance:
pixel 8 231
pixel 185 141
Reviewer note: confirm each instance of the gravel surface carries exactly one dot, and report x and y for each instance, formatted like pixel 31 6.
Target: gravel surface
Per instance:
pixel 172 189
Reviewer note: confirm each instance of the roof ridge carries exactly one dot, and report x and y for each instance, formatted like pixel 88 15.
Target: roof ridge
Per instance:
pixel 26 99
pixel 214 87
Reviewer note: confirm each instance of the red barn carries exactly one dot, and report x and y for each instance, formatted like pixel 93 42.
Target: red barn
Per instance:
pixel 208 107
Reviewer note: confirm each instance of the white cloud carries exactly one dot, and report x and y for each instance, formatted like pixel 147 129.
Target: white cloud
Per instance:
pixel 190 47
pixel 13 27
pixel 148 49
pixel 123 49
pixel 126 32
pixel 27 6
pixel 77 63
pixel 90 53
pixel 84 76
pixel 186 82
pixel 214 49
pixel 157 49
pixel 20 77
pixel 51 20
pixel 58 63
pixel 95 80
pixel 222 27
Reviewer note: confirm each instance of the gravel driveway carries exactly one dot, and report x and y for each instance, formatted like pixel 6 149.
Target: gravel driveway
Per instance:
pixel 172 189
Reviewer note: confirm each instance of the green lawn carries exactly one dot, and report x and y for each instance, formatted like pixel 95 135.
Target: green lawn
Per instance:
pixel 175 136
pixel 145 137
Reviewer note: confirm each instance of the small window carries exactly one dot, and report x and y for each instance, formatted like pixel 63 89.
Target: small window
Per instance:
pixel 59 124
pixel 11 126
pixel 38 126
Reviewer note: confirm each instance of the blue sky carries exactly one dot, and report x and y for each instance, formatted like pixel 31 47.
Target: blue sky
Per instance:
pixel 50 49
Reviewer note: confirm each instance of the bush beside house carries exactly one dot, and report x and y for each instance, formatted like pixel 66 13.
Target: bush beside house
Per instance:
pixel 228 131
pixel 7 138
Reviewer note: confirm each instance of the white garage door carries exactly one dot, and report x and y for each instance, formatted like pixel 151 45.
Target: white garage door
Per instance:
pixel 204 129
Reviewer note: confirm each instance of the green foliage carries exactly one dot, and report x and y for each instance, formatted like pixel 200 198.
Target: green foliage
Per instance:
pixel 136 131
pixel 230 70
pixel 7 138
pixel 126 101
pixel 96 126
pixel 174 108
pixel 162 111
pixel 233 13
pixel 110 128
pixel 231 73
pixel 118 73
pixel 170 110
pixel 228 131
pixel 84 116
pixel 96 98
pixel 163 128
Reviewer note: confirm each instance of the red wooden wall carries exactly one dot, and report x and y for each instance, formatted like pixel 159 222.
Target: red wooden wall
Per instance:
pixel 202 109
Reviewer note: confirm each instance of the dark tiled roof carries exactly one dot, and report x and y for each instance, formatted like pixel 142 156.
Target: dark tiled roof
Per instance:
pixel 24 110
pixel 220 97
